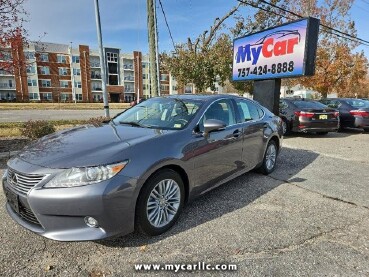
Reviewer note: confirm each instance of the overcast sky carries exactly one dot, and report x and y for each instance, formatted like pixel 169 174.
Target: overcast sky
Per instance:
pixel 124 21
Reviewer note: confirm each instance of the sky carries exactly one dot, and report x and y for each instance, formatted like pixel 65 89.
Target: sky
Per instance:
pixel 124 22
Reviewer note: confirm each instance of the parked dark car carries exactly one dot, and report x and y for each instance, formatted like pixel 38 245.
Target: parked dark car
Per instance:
pixel 307 116
pixel 139 169
pixel 353 113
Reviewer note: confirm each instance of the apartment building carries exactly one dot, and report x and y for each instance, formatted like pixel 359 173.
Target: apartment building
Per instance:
pixel 61 73
pixel 51 72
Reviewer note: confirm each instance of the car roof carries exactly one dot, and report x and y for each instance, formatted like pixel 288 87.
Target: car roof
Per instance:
pixel 346 98
pixel 298 99
pixel 201 97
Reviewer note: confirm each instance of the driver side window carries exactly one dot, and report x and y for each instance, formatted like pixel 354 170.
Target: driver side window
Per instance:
pixel 221 110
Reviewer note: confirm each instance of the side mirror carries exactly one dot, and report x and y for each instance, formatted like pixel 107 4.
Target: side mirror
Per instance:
pixel 211 125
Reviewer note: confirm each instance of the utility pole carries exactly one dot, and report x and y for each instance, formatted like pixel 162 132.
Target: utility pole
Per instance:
pixel 153 48
pixel 138 81
pixel 102 59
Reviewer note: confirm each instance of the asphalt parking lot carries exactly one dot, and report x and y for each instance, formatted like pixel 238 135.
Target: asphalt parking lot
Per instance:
pixel 309 218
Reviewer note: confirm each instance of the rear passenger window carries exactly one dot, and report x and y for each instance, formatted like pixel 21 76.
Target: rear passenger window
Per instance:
pixel 332 104
pixel 249 111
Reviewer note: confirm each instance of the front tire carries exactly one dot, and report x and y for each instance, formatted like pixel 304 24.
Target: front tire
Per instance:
pixel 270 158
pixel 160 203
pixel 286 127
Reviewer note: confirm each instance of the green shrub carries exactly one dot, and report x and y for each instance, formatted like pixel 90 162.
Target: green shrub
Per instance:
pixel 37 128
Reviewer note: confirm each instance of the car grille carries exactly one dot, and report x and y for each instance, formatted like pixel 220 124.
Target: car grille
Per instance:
pixel 28 215
pixel 23 183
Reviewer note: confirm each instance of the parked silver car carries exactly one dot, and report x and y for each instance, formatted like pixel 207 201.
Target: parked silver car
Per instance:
pixel 139 169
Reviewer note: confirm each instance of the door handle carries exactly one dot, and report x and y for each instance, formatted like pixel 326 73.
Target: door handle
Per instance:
pixel 236 133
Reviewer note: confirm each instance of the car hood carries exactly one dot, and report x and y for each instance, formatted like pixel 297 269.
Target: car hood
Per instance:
pixel 85 146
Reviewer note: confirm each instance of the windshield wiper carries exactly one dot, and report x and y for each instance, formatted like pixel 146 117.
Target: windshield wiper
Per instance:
pixel 132 123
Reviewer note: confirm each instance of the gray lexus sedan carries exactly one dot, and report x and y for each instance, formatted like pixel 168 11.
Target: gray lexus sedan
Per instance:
pixel 138 170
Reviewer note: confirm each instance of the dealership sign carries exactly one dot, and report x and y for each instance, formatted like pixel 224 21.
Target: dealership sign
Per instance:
pixel 288 50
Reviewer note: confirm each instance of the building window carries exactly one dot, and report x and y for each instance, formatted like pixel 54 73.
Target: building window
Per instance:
pixel 112 57
pixel 45 83
pixel 32 82
pixel 29 55
pixel 44 70
pixel 44 57
pixel 76 71
pixel 174 88
pixel 77 84
pixel 64 96
pixel 188 90
pixel 79 97
pixel 34 96
pixel 164 87
pixel 47 96
pixel 61 58
pixel 128 89
pixel 63 71
pixel 145 76
pixel 31 69
pixel 113 80
pixel 7 96
pixel 97 98
pixel 64 84
pixel 5 56
pixel 164 77
pixel 75 59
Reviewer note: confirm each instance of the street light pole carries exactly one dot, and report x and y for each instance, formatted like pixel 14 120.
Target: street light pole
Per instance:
pixel 139 79
pixel 102 59
pixel 74 98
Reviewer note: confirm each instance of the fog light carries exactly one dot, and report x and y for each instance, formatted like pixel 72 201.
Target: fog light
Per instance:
pixel 91 222
pixel 5 174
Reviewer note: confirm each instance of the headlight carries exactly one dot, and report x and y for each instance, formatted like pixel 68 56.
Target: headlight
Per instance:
pixel 5 174
pixel 75 177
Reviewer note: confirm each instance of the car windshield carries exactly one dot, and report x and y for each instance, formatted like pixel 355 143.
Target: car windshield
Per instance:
pixel 309 105
pixel 358 103
pixel 160 113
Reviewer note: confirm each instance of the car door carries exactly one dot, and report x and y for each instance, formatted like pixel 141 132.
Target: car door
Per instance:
pixel 218 154
pixel 250 116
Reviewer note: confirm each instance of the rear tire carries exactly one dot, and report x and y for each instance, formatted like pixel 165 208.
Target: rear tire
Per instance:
pixel 270 158
pixel 322 133
pixel 366 130
pixel 160 203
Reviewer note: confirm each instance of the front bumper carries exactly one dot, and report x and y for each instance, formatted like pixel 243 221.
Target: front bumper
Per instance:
pixel 59 213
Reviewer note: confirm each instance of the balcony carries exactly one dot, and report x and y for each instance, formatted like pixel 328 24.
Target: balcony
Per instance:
pixel 6 73
pixel 128 67
pixel 7 86
pixel 129 78
pixel 95 76
pixel 96 89
pixel 95 64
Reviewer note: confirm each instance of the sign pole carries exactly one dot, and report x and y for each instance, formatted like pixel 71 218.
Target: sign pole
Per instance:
pixel 267 93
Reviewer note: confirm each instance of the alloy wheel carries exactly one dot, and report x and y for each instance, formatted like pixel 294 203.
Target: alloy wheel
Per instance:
pixel 270 157
pixel 163 203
